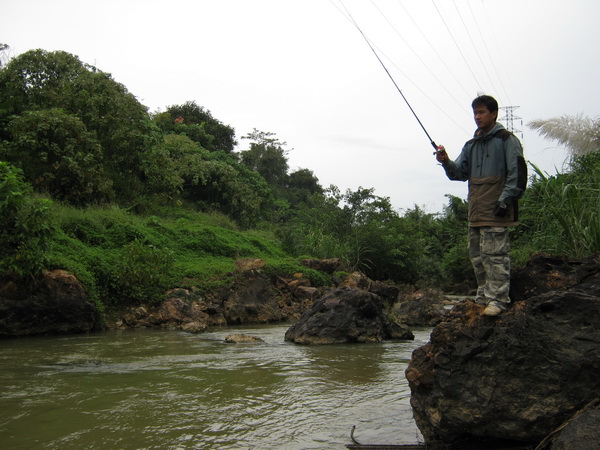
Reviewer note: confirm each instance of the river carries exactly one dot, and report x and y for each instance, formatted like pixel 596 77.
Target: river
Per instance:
pixel 165 389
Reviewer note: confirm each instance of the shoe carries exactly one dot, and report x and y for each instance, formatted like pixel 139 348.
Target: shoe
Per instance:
pixel 492 309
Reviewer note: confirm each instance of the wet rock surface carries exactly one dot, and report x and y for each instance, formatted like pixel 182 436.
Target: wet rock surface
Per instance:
pixel 517 376
pixel 243 339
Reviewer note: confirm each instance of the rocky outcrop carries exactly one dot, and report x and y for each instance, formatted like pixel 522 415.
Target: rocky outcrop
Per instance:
pixel 55 303
pixel 423 308
pixel 322 265
pixel 251 298
pixel 252 301
pixel 346 315
pixel 545 273
pixel 174 312
pixel 517 376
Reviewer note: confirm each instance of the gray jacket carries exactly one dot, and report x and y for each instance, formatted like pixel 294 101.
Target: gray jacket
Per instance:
pixel 493 164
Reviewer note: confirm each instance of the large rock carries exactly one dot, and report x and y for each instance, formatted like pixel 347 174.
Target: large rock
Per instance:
pixel 56 303
pixel 545 273
pixel 423 308
pixel 516 376
pixel 346 315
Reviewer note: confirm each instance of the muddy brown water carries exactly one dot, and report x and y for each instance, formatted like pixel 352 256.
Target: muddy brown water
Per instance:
pixel 161 389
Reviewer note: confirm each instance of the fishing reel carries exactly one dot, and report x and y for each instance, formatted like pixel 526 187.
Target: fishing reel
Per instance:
pixel 440 153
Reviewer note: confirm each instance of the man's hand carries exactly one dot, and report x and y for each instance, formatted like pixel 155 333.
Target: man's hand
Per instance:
pixel 441 155
pixel 500 209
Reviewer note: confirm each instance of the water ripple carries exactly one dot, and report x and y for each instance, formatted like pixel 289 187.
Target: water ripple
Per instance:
pixel 160 389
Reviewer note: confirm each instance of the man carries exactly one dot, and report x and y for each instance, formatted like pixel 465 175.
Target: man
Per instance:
pixel 493 164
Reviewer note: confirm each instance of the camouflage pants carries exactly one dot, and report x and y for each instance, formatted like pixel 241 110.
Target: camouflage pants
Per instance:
pixel 488 250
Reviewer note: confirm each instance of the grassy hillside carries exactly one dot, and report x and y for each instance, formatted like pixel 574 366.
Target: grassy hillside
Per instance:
pixel 123 258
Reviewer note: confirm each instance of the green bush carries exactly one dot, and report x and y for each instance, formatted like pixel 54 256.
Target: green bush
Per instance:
pixel 142 273
pixel 25 227
pixel 289 267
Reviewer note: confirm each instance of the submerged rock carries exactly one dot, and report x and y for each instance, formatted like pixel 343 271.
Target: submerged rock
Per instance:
pixel 242 339
pixel 346 315
pixel 517 376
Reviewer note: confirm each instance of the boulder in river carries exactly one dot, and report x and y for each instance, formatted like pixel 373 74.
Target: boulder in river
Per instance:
pixel 517 376
pixel 346 315
pixel 242 339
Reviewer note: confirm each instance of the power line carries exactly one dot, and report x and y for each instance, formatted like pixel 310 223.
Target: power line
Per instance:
pixel 457 46
pixel 417 55
pixel 488 52
pixel 473 44
pixel 498 47
pixel 349 17
pixel 434 145
pixel 433 48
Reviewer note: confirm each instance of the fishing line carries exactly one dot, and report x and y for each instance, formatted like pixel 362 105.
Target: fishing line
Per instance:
pixel 435 146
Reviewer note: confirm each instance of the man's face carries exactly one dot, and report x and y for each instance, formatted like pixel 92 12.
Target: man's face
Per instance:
pixel 484 119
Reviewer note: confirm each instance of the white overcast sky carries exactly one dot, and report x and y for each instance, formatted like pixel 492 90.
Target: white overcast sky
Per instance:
pixel 301 69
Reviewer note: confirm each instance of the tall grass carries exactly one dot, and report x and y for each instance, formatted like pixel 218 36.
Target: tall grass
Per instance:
pixel 565 210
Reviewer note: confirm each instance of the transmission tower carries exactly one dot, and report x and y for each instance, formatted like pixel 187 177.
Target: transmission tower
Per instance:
pixel 510 118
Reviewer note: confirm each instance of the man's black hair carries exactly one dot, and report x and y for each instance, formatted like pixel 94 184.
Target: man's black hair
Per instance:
pixel 486 100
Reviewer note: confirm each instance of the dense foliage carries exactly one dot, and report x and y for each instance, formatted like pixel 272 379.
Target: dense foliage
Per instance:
pixel 25 227
pixel 562 212
pixel 136 203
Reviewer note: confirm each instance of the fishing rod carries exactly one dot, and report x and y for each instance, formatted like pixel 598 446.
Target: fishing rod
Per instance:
pixel 431 141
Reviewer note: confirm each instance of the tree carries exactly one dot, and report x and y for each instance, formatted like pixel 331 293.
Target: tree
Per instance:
pixel 199 125
pixel 40 80
pixel 301 184
pixel 212 180
pixel 581 135
pixel 267 157
pixel 58 155
pixel 4 56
